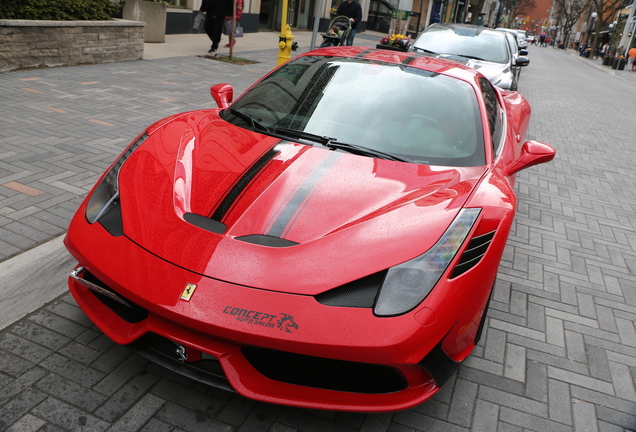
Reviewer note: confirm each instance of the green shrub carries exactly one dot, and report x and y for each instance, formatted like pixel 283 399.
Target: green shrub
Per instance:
pixel 58 10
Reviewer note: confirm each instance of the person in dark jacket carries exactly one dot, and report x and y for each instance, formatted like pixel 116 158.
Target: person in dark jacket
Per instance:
pixel 352 10
pixel 215 13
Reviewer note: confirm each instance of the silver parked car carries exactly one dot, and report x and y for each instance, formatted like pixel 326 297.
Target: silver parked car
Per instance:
pixel 481 48
pixel 520 38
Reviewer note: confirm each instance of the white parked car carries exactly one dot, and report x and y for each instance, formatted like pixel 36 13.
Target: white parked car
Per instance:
pixel 481 48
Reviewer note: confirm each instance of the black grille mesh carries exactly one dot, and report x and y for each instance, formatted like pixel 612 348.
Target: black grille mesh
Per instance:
pixel 329 374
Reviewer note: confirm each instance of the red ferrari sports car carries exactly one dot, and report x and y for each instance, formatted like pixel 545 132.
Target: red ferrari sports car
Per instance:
pixel 328 240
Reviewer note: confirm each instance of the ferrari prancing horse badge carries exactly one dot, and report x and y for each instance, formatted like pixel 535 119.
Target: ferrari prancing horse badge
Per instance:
pixel 188 291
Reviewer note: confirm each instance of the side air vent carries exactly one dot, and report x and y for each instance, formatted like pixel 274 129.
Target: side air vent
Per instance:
pixel 360 293
pixel 473 253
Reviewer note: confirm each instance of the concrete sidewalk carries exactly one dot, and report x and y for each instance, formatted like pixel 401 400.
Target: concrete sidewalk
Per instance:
pixel 265 44
pixel 625 74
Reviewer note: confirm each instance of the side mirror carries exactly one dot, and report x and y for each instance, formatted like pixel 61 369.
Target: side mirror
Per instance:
pixel 522 61
pixel 523 52
pixel 222 94
pixel 532 153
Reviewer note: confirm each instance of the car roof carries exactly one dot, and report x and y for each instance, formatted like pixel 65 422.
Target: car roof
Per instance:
pixel 514 32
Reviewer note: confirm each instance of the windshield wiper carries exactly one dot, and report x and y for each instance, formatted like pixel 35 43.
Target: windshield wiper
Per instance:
pixel 297 134
pixel 470 57
pixel 333 144
pixel 250 120
pixel 425 50
pixel 364 151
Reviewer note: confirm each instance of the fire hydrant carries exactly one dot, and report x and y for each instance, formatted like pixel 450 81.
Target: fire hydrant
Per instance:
pixel 286 45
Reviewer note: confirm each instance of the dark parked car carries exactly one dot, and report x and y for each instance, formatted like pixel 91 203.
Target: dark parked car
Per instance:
pixel 481 48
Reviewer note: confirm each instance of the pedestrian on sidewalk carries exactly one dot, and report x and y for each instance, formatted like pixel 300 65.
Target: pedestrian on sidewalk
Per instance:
pixel 632 57
pixel 239 13
pixel 352 10
pixel 215 13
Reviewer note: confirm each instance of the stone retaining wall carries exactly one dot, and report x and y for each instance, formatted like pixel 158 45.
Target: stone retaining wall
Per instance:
pixel 32 44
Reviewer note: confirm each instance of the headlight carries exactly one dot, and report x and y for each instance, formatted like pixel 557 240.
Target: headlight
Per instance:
pixel 407 284
pixel 107 191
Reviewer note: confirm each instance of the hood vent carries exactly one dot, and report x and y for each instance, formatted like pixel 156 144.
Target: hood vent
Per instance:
pixel 473 254
pixel 266 240
pixel 205 223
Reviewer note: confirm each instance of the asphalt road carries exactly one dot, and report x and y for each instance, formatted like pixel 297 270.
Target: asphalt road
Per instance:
pixel 559 350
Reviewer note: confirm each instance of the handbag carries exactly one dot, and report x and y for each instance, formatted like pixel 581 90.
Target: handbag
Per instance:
pixel 227 29
pixel 199 22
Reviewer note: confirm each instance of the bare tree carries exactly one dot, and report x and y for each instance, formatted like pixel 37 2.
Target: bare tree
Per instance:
pixel 605 10
pixel 515 8
pixel 567 13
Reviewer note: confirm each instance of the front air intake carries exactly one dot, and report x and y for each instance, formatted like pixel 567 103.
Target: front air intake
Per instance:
pixel 324 373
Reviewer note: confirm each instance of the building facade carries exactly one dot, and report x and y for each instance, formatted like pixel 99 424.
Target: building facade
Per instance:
pixel 265 15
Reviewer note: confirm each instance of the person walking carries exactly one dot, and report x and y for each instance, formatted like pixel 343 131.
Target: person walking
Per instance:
pixel 352 10
pixel 239 13
pixel 215 13
pixel 632 57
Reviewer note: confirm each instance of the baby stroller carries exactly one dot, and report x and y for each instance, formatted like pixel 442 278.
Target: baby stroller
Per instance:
pixel 338 31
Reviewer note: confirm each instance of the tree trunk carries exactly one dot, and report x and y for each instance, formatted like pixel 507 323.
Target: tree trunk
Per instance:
pixel 476 11
pixel 233 29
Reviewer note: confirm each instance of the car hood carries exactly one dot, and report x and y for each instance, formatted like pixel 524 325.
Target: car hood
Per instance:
pixel 487 68
pixel 495 72
pixel 294 217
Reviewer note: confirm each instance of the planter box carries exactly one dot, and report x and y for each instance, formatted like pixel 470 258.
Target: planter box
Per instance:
pixel 618 64
pixel 34 43
pixel 607 61
pixel 392 48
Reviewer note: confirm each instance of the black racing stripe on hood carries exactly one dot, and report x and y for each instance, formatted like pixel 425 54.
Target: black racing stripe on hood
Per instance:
pixel 242 183
pixel 294 206
pixel 409 59
pixel 361 54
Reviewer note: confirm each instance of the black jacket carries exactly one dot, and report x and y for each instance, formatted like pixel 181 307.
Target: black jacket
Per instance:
pixel 351 10
pixel 219 8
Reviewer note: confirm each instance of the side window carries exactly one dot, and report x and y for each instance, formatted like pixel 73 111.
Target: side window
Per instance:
pixel 495 121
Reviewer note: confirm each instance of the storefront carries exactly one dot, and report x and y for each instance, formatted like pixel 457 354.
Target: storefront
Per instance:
pixel 257 14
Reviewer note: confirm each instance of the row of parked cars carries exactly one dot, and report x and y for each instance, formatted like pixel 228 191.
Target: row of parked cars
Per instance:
pixel 499 54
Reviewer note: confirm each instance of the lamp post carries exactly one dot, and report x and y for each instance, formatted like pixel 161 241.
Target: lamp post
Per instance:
pixel 589 32
pixel 630 38
pixel 612 29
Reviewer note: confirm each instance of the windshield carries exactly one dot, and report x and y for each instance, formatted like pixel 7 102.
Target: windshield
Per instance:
pixel 413 114
pixel 464 41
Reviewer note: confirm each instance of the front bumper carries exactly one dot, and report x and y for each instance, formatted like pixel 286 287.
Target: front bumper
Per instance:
pixel 268 346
